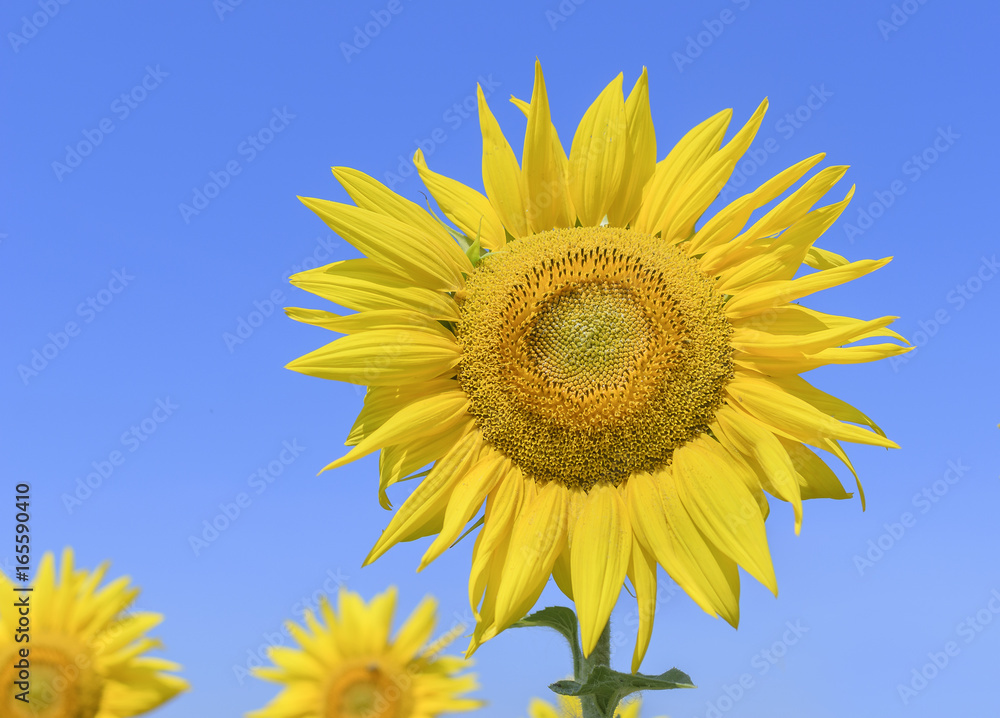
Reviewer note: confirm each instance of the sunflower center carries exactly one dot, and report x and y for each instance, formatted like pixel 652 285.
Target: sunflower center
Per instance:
pixel 592 352
pixel 369 691
pixel 52 681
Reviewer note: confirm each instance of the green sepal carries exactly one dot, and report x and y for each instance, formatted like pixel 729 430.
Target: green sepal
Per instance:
pixel 475 251
pixel 561 619
pixel 609 687
pixel 464 242
pixel 480 522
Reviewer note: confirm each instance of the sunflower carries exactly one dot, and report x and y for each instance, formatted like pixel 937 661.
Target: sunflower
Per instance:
pixel 614 378
pixel 350 669
pixel 570 707
pixel 85 647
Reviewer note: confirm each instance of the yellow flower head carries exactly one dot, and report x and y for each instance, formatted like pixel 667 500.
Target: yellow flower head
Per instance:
pixel 616 378
pixel 570 707
pixel 85 648
pixel 349 668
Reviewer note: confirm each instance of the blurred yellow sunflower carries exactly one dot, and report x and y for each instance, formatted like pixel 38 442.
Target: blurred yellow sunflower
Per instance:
pixel 85 647
pixel 570 707
pixel 349 668
pixel 617 380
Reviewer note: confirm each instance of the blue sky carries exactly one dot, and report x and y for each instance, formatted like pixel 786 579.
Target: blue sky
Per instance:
pixel 151 162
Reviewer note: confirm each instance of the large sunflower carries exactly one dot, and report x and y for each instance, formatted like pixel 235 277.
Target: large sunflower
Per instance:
pixel 85 647
pixel 350 669
pixel 615 379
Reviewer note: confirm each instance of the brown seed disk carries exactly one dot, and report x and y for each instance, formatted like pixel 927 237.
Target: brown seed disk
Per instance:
pixel 591 353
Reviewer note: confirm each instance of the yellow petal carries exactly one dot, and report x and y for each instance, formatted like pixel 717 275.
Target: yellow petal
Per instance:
pixel 416 631
pixel 380 612
pixel 368 193
pixel 666 530
pixel 540 709
pixel 823 258
pixel 428 416
pixel 468 209
pixel 381 402
pixel 430 497
pixel 597 156
pixel 643 576
pixel 787 213
pixel 380 357
pixel 816 479
pixel 786 253
pixel 795 207
pixel 640 155
pixel 399 461
pixel 537 537
pixel 544 170
pixel 355 639
pixel 692 198
pixel 797 363
pixel 687 156
pixel 363 285
pixel 501 508
pixel 828 404
pixel 724 226
pixel 466 499
pixel 752 439
pixel 397 246
pixel 362 321
pixel 722 507
pixel 775 407
pixel 501 174
pixel 599 554
pixel 562 573
pixel 773 294
pixel 798 329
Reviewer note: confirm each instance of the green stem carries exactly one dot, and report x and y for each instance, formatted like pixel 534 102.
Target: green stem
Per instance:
pixel 600 656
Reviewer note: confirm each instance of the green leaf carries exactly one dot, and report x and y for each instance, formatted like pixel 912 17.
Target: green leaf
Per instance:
pixel 561 619
pixel 610 687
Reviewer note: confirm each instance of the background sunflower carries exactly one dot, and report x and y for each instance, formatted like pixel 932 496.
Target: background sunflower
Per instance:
pixel 86 647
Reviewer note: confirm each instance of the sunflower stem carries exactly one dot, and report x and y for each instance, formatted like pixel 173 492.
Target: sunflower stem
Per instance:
pixel 600 656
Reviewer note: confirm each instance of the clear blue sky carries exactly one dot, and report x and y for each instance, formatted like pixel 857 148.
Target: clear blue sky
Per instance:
pixel 161 96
